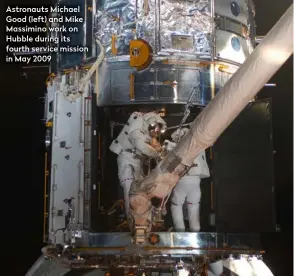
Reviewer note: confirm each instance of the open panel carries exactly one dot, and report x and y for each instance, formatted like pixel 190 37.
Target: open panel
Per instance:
pixel 243 172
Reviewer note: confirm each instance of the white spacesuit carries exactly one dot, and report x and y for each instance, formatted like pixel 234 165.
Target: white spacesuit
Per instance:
pixel 133 143
pixel 188 190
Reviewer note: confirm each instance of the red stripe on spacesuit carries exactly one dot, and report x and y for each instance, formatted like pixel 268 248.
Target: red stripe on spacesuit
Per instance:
pixel 126 180
pixel 174 203
pixel 189 203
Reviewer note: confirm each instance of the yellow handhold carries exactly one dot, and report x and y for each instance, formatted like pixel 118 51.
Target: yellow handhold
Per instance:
pixel 140 54
pixel 113 45
pixel 186 63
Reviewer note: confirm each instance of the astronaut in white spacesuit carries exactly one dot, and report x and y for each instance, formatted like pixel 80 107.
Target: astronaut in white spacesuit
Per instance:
pixel 136 141
pixel 188 191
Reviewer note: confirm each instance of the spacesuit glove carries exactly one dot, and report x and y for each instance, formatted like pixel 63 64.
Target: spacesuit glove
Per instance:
pixel 163 153
pixel 156 145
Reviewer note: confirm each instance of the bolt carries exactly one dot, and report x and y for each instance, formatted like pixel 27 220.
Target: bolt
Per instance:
pixel 63 144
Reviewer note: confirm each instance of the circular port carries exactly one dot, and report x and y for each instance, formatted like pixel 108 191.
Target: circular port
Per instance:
pixel 154 239
pixel 235 9
pixel 236 44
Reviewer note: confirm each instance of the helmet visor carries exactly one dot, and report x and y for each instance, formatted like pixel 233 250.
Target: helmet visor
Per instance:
pixel 155 129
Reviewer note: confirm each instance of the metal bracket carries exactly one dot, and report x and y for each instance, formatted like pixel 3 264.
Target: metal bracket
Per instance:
pixel 140 234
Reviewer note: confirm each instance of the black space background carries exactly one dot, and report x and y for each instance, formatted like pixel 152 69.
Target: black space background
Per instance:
pixel 22 136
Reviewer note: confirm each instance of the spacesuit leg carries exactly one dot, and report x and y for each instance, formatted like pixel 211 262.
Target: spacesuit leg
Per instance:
pixel 126 178
pixel 177 201
pixel 193 202
pixel 127 173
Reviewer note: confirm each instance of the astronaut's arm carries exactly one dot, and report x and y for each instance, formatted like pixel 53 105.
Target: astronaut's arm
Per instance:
pixel 139 140
pixel 168 145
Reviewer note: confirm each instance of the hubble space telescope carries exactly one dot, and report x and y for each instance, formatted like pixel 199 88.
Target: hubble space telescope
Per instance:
pixel 195 64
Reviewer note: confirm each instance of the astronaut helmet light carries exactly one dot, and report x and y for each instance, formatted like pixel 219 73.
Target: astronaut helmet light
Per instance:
pixel 155 129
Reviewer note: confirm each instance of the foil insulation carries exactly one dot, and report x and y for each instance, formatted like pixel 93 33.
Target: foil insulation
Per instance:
pixel 168 26
pixel 185 18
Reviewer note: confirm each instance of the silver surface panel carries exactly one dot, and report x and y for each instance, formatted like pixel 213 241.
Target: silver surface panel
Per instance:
pixel 49 103
pixel 161 83
pixel 170 243
pixel 67 162
pixel 236 9
pixel 231 47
